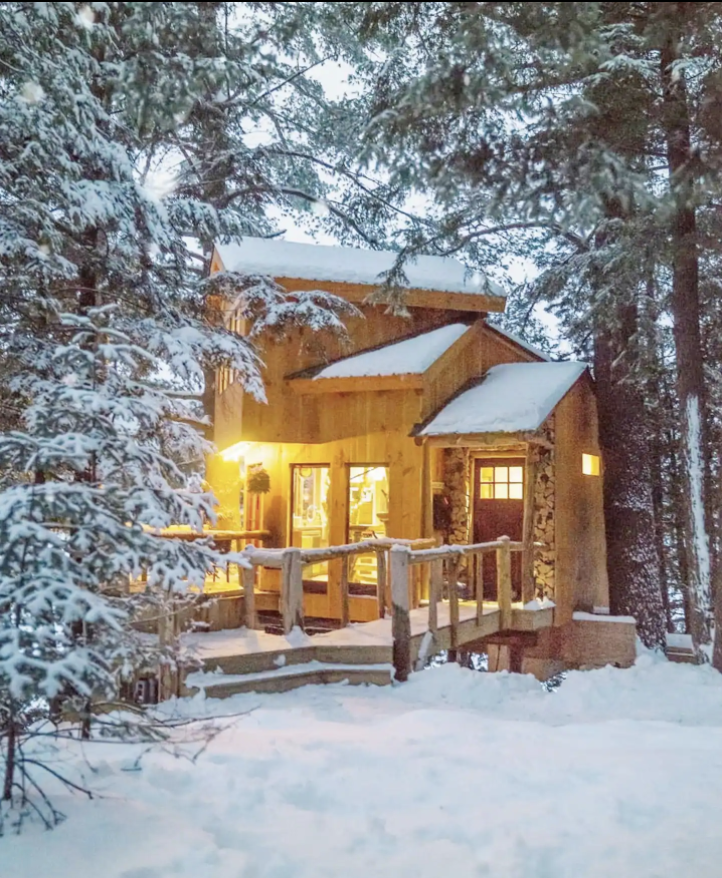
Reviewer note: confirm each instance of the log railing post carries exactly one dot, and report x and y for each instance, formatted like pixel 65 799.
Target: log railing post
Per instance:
pixel 453 606
pixel 503 581
pixel 248 575
pixel 479 586
pixel 436 588
pixel 401 621
pixel 345 608
pixel 292 590
pixel 381 582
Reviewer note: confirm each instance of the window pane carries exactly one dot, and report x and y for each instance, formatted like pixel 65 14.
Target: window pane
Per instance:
pixel 487 474
pixel 368 512
pixel 501 474
pixel 516 492
pixel 310 486
pixel 590 464
pixel 516 474
pixel 487 492
pixel 501 490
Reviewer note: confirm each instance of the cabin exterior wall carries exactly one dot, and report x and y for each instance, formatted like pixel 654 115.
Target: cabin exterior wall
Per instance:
pixel 581 558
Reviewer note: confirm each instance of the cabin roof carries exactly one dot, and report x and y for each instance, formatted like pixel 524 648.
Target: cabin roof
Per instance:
pixel 511 398
pixel 411 356
pixel 351 265
pixel 519 341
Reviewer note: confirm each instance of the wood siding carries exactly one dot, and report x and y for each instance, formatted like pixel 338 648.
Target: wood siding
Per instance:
pixel 581 561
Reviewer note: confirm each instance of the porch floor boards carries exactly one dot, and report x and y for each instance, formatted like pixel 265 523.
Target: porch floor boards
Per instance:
pixel 241 651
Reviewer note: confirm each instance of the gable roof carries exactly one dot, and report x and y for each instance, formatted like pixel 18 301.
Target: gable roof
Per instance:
pixel 352 265
pixel 519 342
pixel 511 398
pixel 411 356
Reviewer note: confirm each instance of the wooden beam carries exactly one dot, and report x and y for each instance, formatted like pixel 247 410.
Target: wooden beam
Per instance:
pixel 413 298
pixel 503 582
pixel 401 621
pixel 292 590
pixel 364 384
pixel 381 582
pixel 345 608
pixel 453 568
pixel 248 575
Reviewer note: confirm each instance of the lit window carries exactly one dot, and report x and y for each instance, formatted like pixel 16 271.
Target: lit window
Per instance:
pixel 368 514
pixel 501 483
pixel 590 464
pixel 309 502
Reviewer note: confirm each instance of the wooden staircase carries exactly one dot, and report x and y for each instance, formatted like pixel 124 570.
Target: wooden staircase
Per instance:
pixel 286 669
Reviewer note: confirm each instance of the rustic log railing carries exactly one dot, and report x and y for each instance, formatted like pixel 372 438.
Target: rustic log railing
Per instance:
pixel 291 562
pixel 404 558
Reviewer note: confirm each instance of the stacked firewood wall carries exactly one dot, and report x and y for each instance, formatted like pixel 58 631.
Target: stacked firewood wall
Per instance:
pixel 457 484
pixel 544 516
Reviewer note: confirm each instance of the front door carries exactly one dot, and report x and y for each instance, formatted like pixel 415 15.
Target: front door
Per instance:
pixel 498 512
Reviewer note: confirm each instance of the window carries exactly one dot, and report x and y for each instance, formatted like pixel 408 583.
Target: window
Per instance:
pixel 501 483
pixel 590 464
pixel 309 520
pixel 368 512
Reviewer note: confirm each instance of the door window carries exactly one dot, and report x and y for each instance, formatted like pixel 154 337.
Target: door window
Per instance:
pixel 501 483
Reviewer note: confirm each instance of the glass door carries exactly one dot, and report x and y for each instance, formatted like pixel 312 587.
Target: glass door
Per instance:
pixel 368 512
pixel 309 513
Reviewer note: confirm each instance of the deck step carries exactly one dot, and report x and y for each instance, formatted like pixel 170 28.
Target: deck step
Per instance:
pixel 289 677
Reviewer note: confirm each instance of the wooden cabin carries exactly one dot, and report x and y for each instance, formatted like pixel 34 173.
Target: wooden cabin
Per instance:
pixel 432 423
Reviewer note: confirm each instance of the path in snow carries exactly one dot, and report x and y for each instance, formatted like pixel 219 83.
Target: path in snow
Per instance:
pixel 619 773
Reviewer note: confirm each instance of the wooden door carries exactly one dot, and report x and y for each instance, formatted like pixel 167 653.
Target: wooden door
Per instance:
pixel 498 493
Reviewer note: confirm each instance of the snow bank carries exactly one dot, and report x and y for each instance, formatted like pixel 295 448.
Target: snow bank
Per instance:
pixel 277 258
pixel 616 773
pixel 512 397
pixel 413 356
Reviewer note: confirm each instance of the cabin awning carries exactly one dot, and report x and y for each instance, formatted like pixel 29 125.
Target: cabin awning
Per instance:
pixel 511 398
pixel 400 364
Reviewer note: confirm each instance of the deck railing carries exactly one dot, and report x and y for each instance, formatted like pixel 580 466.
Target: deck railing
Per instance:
pixel 446 560
pixel 395 562
pixel 291 561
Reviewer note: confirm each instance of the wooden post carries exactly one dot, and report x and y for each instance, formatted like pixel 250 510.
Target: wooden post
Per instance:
pixel 292 590
pixel 401 622
pixel 345 608
pixel 503 582
pixel 453 606
pixel 436 587
pixel 248 575
pixel 527 558
pixel 381 582
pixel 479 586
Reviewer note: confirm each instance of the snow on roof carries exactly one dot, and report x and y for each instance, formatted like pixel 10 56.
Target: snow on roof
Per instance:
pixel 277 258
pixel 517 339
pixel 513 397
pixel 413 356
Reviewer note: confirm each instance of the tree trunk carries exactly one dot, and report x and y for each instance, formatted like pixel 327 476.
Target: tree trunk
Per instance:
pixel 9 779
pixel 685 308
pixel 634 586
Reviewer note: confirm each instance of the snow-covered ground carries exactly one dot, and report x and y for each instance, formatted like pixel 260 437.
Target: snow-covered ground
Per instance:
pixel 457 773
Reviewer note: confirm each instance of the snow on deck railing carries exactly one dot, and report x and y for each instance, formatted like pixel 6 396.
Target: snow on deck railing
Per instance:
pixel 291 561
pixel 397 591
pixel 439 558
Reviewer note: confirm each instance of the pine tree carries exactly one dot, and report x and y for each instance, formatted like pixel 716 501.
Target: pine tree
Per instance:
pixel 550 127
pixel 106 343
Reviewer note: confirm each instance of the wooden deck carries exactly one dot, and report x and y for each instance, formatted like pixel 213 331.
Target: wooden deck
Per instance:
pixel 243 660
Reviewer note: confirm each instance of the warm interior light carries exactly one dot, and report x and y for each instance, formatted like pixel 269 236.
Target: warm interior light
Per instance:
pixel 590 464
pixel 235 452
